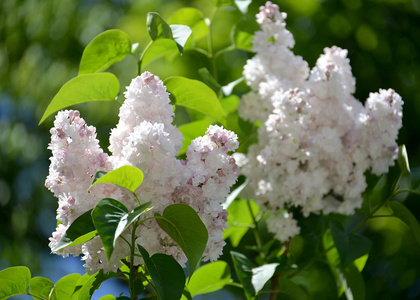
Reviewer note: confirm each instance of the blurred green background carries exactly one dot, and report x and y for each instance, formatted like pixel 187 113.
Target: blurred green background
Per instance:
pixel 41 42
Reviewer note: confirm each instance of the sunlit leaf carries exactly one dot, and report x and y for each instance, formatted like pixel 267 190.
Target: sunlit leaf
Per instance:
pixel 209 79
pixel 167 275
pixel 184 226
pixel 220 3
pixel 243 34
pixel 261 275
pixel 111 218
pixel 41 287
pixel 105 49
pixel 128 177
pixel 80 231
pixel 195 95
pixel 193 18
pixel 191 131
pixel 159 29
pixel 90 283
pixel 209 278
pixel 180 34
pixel 240 219
pixel 111 297
pixel 84 88
pixel 65 287
pixel 403 159
pixel 14 281
pixel 162 48
pixel 361 262
pixel 243 5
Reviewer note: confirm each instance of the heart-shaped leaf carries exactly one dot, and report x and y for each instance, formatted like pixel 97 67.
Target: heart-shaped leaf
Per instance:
pixel 185 227
pixel 14 281
pixel 167 275
pixel 105 49
pixel 195 95
pixel 65 287
pixel 209 278
pixel 80 231
pixel 243 267
pixel 41 287
pixel 84 88
pixel 128 177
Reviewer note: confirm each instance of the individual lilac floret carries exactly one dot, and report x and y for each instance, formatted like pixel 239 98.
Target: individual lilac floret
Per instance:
pixel 145 138
pixel 316 140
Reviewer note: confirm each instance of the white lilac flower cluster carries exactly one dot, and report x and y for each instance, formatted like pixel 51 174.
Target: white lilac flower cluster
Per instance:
pixel 144 138
pixel 316 140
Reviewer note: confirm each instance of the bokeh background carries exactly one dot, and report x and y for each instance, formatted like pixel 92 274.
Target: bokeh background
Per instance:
pixel 41 42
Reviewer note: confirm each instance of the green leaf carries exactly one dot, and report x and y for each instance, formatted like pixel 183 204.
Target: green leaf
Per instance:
pixel 90 283
pixel 243 34
pixel 185 227
pixel 262 274
pixel 159 29
pixel 65 287
pixel 80 231
pixel 294 291
pixel 191 131
pixel 243 267
pixel 180 34
pixel 361 262
pixel 162 48
pixel 404 214
pixel 105 49
pixel 195 95
pixel 84 88
pixel 167 275
pixel 403 160
pixel 41 287
pixel 111 218
pixel 349 246
pixel 354 285
pixel 110 297
pixel 209 278
pixel 128 177
pixel 230 104
pixel 209 79
pixel 193 18
pixel 14 281
pixel 220 3
pixel 240 220
pixel 243 5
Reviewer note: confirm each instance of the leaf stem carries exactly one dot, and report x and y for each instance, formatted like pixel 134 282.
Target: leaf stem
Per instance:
pixel 141 57
pixel 133 270
pixel 137 198
pixel 407 191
